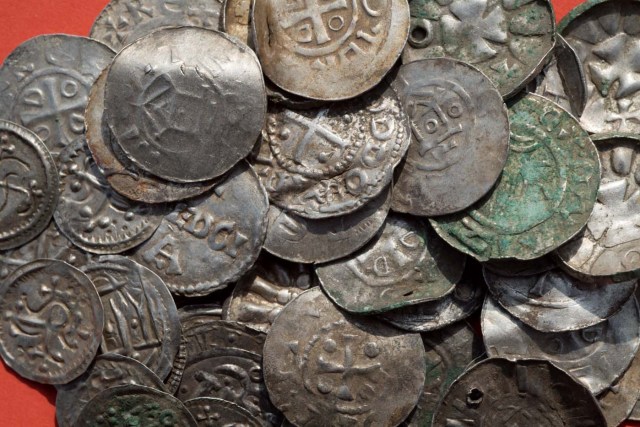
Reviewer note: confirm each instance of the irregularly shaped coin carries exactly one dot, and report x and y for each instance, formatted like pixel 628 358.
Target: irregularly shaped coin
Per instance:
pixel 106 371
pixel 323 367
pixel 507 40
pixel 208 242
pixel 28 185
pixel 46 82
pixel 329 50
pixel 460 137
pixel 236 20
pixel 544 195
pixel 406 264
pixel 596 356
pixel 619 400
pixel 498 392
pixel 185 96
pixel 52 320
pixel 209 411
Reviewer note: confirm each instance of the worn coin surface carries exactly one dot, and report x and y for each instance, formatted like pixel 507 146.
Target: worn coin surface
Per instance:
pixel 210 241
pixel 545 194
pixel 596 356
pixel 122 22
pixel 185 96
pixel 499 392
pixel 323 367
pixel 620 399
pixel 28 185
pixel 198 314
pixel 200 338
pixel 93 216
pixel 406 264
pixel 209 412
pixel 329 50
pixel 236 20
pixel 460 136
pixel 51 323
pixel 106 371
pixel 511 267
pixel 46 82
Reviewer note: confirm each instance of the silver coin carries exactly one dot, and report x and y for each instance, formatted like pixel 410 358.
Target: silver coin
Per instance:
pixel 514 267
pixel 185 96
pixel 200 338
pixel 211 241
pixel 236 20
pixel 93 216
pixel 198 314
pixel 28 186
pixel 596 356
pixel 209 412
pixel 46 82
pixel 460 137
pixel 619 400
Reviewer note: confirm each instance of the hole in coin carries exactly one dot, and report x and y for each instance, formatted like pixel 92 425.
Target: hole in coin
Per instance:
pixel 419 34
pixel 474 397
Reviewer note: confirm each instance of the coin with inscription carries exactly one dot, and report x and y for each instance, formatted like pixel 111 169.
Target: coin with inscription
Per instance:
pixel 106 371
pixel 46 82
pixel 122 22
pixel 93 216
pixel 508 41
pixel 329 50
pixel 460 136
pixel 51 323
pixel 211 241
pixel 545 194
pixel 499 392
pixel 596 356
pixel 209 412
pixel 28 186
pixel 185 96
pixel 619 400
pixel 200 338
pixel 324 367
pixel 198 314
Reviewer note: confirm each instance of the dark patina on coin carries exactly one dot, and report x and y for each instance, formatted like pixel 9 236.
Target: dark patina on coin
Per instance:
pixel 210 412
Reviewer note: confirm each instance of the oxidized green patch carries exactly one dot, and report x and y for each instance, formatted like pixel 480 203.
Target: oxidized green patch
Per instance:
pixel 544 195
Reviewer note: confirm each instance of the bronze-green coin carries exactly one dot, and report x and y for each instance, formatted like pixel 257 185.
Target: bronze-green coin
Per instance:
pixel 545 194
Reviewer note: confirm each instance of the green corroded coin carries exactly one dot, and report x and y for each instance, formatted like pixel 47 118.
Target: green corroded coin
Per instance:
pixel 545 194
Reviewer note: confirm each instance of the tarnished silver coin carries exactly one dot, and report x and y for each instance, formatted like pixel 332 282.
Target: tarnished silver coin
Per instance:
pixel 596 356
pixel 512 267
pixel 28 185
pixel 211 241
pixel 499 392
pixel 45 85
pixel 619 400
pixel 329 50
pixel 298 239
pixel 198 314
pixel 460 137
pixel 185 96
pixel 141 318
pixel 122 22
pixel 508 41
pixel 106 371
pixel 406 264
pixel 93 216
pixel 323 367
pixel 51 322
pixel 209 412
pixel 200 338
pixel 236 20
pixel 331 161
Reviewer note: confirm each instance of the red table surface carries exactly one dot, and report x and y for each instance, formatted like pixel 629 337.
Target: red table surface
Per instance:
pixel 24 403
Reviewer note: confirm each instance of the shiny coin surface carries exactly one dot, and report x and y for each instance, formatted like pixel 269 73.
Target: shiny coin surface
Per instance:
pixel 28 185
pixel 321 361
pixel 185 96
pixel 51 323
pixel 460 137
pixel 329 50
pixel 619 400
pixel 545 194
pixel 209 411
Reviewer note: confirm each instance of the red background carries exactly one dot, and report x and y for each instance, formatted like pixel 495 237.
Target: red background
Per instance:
pixel 23 403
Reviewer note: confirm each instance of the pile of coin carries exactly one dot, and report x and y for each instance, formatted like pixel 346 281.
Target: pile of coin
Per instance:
pixel 326 213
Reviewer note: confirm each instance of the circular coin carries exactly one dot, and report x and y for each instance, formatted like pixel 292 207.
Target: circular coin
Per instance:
pixel 209 411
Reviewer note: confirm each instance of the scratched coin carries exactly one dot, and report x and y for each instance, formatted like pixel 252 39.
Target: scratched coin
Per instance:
pixel 499 392
pixel 406 264
pixel 185 96
pixel 209 411
pixel 508 41
pixel 596 356
pixel 93 216
pixel 46 82
pixel 28 186
pixel 329 50
pixel 323 367
pixel 330 161
pixel 211 241
pixel 619 400
pixel 460 137
pixel 605 35
pixel 122 22
pixel 51 323
pixel 106 371
pixel 544 196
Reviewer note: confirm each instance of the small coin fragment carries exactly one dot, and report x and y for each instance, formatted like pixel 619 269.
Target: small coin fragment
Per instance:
pixel 619 400
pixel 236 20
pixel 209 411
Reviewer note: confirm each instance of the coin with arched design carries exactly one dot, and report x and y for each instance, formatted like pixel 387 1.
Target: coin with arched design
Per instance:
pixel 211 412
